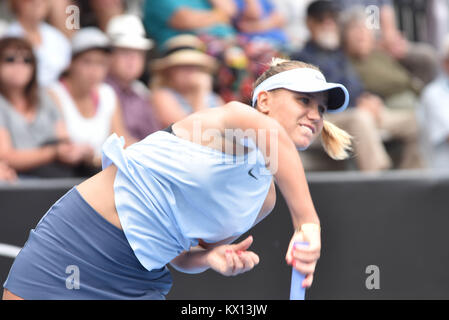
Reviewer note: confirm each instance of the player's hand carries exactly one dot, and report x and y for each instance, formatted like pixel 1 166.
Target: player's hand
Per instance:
pixel 233 259
pixel 304 258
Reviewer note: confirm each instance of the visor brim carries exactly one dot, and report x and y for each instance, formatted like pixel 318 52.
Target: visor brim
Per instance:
pixel 338 96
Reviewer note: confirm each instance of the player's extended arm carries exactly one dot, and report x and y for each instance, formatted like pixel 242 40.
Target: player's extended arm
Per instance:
pixel 291 180
pixel 289 172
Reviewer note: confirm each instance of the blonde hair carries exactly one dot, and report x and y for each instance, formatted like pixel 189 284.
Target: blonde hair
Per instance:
pixel 336 142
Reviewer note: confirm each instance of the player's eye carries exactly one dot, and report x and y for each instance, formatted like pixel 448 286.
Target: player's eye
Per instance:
pixel 322 109
pixel 304 100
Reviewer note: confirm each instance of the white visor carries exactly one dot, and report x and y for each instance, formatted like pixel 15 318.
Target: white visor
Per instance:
pixel 306 80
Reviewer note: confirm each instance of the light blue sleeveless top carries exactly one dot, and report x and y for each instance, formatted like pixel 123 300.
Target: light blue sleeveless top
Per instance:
pixel 170 192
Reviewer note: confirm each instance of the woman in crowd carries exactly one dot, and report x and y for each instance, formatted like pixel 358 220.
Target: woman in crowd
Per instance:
pixel 183 80
pixel 128 59
pixel 33 138
pixel 89 106
pixel 51 46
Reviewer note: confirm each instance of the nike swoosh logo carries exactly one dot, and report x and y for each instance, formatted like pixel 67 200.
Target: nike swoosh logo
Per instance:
pixel 251 174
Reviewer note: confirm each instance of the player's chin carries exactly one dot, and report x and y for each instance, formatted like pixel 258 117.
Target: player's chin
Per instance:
pixel 303 142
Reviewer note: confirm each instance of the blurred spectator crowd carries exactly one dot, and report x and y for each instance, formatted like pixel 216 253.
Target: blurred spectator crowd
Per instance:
pixel 74 71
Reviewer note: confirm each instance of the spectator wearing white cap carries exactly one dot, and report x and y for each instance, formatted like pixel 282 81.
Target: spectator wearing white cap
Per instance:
pixel 89 106
pixel 129 48
pixel 51 46
pixel 434 116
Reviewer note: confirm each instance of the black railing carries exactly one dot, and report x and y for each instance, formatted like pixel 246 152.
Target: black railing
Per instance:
pixel 412 18
pixel 390 225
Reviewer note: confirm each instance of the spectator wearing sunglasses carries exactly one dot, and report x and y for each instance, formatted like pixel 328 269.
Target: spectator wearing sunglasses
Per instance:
pixel 51 47
pixel 33 139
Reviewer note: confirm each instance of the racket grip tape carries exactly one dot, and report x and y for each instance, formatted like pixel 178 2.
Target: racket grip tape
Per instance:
pixel 297 292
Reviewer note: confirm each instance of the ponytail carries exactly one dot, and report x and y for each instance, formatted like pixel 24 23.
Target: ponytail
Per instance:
pixel 336 142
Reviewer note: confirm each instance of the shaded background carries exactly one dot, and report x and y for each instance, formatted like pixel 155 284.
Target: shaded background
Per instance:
pixel 395 220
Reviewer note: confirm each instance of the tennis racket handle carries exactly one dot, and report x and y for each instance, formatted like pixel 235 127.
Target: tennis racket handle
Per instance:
pixel 297 292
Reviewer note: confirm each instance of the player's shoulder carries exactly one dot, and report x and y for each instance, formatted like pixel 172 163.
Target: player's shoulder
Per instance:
pixel 238 105
pixel 241 115
pixel 236 109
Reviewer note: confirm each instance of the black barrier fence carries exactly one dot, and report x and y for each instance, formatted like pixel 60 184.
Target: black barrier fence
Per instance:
pixel 412 18
pixel 384 236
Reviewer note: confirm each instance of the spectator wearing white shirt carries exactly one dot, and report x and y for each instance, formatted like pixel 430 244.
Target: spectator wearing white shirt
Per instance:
pixel 89 106
pixel 51 46
pixel 434 116
pixel 295 13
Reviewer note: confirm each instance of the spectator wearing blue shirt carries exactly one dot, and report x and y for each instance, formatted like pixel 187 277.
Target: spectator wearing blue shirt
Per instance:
pixel 168 18
pixel 259 20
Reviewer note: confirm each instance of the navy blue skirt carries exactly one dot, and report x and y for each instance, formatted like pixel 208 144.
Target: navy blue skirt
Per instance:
pixel 74 253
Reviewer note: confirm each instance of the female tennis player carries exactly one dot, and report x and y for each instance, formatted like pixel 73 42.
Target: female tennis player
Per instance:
pixel 182 195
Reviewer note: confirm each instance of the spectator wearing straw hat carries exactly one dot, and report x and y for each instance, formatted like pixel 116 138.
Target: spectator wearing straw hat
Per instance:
pixel 129 47
pixel 182 81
